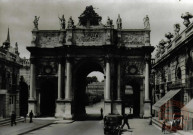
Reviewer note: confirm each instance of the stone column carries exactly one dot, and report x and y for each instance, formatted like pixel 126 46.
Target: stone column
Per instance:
pixel 146 81
pixel 117 105
pixel 119 82
pixel 68 89
pixel 107 81
pixel 60 104
pixel 147 102
pixel 59 80
pixel 68 81
pixel 32 81
pixel 32 98
pixel 107 90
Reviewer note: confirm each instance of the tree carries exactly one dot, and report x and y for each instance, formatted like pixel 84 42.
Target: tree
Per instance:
pixel 91 79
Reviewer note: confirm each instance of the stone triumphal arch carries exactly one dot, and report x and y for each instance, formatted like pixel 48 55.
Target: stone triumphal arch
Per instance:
pixel 61 60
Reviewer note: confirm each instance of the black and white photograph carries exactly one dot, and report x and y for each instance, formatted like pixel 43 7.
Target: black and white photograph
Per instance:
pixel 96 67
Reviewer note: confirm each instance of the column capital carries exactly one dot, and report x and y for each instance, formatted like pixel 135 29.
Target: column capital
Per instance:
pixel 69 58
pixel 60 59
pixel 108 58
pixel 33 60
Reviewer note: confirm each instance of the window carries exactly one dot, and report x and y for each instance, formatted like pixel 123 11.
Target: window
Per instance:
pixel 178 73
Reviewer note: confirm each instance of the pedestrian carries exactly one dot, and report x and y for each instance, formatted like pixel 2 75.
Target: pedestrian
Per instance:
pixel 30 116
pixel 130 109
pixel 125 121
pixel 163 127
pixel 13 118
pixel 101 112
pixel 25 115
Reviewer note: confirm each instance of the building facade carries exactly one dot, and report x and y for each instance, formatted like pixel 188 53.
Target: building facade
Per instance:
pixel 9 78
pixel 96 88
pixel 173 91
pixel 24 85
pixel 61 60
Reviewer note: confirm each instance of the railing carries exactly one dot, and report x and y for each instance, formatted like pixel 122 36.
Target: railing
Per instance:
pixel 176 42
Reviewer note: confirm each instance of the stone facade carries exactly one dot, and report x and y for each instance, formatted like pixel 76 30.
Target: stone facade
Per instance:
pixel 24 84
pixel 9 79
pixel 173 73
pixel 61 60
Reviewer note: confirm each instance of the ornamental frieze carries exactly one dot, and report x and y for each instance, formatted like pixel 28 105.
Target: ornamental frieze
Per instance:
pixel 49 39
pixel 133 38
pixel 89 38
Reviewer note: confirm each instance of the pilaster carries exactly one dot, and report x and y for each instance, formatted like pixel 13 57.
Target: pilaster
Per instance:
pixel 147 102
pixel 32 103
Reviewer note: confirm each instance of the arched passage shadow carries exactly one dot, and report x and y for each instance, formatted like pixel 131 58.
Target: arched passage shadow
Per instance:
pixel 79 87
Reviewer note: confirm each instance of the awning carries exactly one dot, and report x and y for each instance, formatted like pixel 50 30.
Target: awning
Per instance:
pixel 164 99
pixel 188 108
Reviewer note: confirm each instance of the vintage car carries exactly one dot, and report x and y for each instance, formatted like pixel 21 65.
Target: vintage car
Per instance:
pixel 112 124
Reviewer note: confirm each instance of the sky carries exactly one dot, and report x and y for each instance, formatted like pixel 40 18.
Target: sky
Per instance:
pixel 18 15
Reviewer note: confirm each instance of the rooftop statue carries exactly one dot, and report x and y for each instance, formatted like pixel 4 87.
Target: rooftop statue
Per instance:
pixel 109 22
pixel 169 35
pixel 70 22
pixel 62 22
pixel 162 44
pixel 89 17
pixel 146 22
pixel 177 29
pixel 36 22
pixel 186 18
pixel 119 22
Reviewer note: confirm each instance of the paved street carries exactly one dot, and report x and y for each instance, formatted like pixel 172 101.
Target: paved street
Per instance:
pixel 138 127
pixel 76 128
pixel 89 127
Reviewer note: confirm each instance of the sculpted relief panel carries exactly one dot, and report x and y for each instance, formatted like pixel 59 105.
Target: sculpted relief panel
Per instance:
pixel 133 67
pixel 89 38
pixel 47 67
pixel 48 40
pixel 133 38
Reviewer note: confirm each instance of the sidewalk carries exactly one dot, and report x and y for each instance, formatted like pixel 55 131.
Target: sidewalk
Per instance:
pixel 21 127
pixel 142 127
pixel 181 132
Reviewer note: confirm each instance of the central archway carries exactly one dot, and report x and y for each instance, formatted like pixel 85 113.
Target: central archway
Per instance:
pixel 79 86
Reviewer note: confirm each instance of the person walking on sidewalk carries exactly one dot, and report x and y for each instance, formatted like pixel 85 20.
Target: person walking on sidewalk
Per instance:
pixel 163 127
pixel 125 121
pixel 13 118
pixel 30 116
pixel 101 112
pixel 25 115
